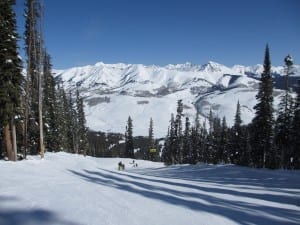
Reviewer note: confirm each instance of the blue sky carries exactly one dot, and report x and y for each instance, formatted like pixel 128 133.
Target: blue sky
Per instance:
pixel 168 31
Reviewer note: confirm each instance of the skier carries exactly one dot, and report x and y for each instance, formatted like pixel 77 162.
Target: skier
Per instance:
pixel 121 166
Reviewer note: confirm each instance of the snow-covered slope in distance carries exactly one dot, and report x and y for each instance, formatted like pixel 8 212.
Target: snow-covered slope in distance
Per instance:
pixel 112 92
pixel 66 189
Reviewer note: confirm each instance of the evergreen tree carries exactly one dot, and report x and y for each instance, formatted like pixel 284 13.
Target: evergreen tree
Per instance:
pixel 211 121
pixel 284 121
pixel 295 133
pixel 166 153
pixel 195 140
pixel 50 108
pixel 60 116
pixel 262 123
pixel 81 130
pixel 72 121
pixel 129 148
pixel 214 153
pixel 10 76
pixel 172 140
pixel 63 118
pixel 169 151
pixel 236 143
pixel 245 157
pixel 283 132
pixel 204 144
pixel 223 154
pixel 209 150
pixel 150 141
pixel 1 143
pixel 187 145
pixel 178 133
pixel 237 118
pixel 65 121
pixel 33 47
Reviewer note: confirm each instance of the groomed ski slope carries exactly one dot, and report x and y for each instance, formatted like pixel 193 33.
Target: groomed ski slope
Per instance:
pixel 66 189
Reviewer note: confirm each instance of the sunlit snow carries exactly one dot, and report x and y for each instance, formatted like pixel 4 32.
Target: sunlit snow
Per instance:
pixel 65 189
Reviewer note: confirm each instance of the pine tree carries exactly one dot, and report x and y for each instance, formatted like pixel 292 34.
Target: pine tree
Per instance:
pixel 284 121
pixel 33 136
pixel 51 123
pixel 209 150
pixel 150 141
pixel 283 132
pixel 245 157
pixel 262 123
pixel 10 76
pixel 178 133
pixel 1 143
pixel 66 122
pixel 237 137
pixel 237 118
pixel 166 153
pixel 129 148
pixel 204 144
pixel 295 134
pixel 82 130
pixel 223 154
pixel 214 153
pixel 169 153
pixel 195 140
pixel 62 113
pixel 72 127
pixel 211 121
pixel 187 145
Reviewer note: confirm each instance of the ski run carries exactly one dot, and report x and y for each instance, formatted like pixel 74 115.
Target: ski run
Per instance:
pixel 69 189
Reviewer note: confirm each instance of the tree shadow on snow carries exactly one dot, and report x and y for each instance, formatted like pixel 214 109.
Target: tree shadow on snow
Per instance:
pixel 228 174
pixel 278 196
pixel 11 216
pixel 193 196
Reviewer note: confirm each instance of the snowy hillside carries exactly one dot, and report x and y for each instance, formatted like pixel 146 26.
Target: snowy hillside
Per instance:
pixel 112 92
pixel 65 189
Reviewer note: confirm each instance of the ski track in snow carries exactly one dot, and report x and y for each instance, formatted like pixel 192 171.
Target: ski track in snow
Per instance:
pixel 66 189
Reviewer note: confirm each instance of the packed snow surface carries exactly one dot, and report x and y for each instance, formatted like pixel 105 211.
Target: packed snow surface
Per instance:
pixel 65 189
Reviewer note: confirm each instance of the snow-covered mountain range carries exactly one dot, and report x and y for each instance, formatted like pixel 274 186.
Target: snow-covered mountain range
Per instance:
pixel 112 92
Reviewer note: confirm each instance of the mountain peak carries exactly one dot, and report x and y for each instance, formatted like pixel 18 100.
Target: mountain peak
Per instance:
pixel 213 67
pixel 100 64
pixel 182 67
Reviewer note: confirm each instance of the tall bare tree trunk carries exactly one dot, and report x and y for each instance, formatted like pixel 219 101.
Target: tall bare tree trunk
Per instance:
pixel 8 143
pixel 42 147
pixel 28 87
pixel 41 52
pixel 14 140
pixel 26 119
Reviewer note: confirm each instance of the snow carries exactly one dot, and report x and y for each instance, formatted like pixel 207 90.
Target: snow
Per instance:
pixel 114 115
pixel 224 104
pixel 70 189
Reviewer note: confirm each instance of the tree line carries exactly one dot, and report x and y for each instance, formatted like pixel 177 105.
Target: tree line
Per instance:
pixel 125 145
pixel 147 149
pixel 267 142
pixel 36 113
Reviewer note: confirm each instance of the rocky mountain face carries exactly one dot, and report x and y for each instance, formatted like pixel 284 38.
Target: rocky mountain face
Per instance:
pixel 112 92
